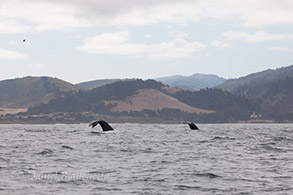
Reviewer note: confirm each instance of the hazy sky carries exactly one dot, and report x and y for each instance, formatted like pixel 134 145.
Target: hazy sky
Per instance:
pixel 81 40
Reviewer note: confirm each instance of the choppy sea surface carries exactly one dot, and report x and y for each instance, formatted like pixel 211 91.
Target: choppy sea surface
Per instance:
pixel 147 159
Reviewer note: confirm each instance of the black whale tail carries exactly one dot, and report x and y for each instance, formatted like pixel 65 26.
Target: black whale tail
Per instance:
pixel 105 126
pixel 191 125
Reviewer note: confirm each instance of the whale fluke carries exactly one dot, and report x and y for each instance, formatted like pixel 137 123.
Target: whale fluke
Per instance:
pixel 105 126
pixel 192 125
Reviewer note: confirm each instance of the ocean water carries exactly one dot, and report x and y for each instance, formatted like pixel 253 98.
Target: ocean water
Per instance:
pixel 147 159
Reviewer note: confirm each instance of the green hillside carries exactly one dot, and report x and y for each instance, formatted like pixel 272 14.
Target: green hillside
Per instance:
pixel 228 107
pixel 93 100
pixel 30 91
pixel 88 85
pixel 272 88
pixel 269 94
pixel 193 82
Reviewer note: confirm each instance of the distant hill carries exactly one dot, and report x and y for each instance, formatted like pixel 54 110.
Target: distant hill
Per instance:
pixel 274 88
pixel 193 82
pixel 96 83
pixel 152 99
pixel 89 85
pixel 30 91
pixel 228 107
pixel 123 96
pixel 245 85
pixel 138 98
pixel 269 94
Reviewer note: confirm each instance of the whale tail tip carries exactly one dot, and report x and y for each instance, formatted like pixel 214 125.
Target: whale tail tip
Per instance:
pixel 192 126
pixel 105 126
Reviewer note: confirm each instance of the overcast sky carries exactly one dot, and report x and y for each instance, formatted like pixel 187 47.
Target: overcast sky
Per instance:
pixel 82 40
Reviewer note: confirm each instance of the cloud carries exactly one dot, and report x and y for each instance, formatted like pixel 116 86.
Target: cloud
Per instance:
pixel 11 55
pixel 228 38
pixel 176 34
pixel 37 66
pixel 33 15
pixel 249 13
pixel 132 12
pixel 279 48
pixel 259 36
pixel 118 43
pixel 20 16
pixel 12 26
pixel 148 36
pixel 221 44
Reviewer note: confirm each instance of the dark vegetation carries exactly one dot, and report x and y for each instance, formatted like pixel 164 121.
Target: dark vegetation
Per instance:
pixel 268 93
pixel 93 100
pixel 228 107
pixel 193 82
pixel 29 91
pixel 96 83
pixel 272 89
